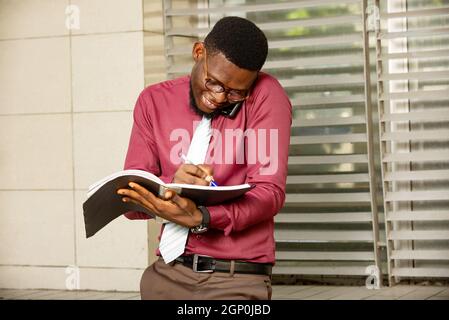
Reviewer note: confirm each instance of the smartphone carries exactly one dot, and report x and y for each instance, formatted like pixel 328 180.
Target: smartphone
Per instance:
pixel 231 111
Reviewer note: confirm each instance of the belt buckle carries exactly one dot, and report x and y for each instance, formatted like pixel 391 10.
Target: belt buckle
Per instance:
pixel 195 264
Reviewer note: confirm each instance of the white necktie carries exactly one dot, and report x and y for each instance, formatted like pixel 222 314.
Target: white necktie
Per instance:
pixel 174 236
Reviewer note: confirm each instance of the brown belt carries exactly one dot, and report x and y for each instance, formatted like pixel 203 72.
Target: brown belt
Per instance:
pixel 208 264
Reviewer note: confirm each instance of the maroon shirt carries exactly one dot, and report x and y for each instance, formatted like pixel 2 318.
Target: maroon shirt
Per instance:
pixel 163 126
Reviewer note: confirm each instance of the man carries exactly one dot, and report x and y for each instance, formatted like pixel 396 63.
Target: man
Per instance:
pixel 230 247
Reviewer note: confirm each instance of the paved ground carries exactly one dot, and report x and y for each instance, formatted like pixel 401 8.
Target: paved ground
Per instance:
pixel 281 292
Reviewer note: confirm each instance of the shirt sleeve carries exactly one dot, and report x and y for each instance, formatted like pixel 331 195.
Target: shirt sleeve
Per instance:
pixel 142 153
pixel 271 116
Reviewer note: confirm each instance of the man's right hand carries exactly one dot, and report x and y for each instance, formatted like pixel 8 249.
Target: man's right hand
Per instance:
pixel 193 174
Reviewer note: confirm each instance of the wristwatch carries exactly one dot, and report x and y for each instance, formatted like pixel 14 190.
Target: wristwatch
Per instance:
pixel 204 225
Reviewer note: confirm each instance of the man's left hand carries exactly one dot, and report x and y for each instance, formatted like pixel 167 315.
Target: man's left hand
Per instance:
pixel 179 210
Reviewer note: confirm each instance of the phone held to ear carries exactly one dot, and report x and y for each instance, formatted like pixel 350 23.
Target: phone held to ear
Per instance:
pixel 232 110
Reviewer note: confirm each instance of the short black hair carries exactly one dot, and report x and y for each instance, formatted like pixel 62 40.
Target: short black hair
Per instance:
pixel 240 41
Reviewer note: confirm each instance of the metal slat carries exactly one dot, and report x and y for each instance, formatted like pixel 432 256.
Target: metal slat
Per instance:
pixel 431 95
pixel 326 100
pixel 420 254
pixel 326 41
pixel 280 44
pixel 329 255
pixel 417 175
pixel 327 121
pixel 421 272
pixel 414 33
pixel 424 75
pixel 322 81
pixel 180 69
pixel 270 26
pixel 417 195
pixel 328 159
pixel 323 235
pixel 361 271
pixel 416 54
pixel 326 197
pixel 421 116
pixel 331 60
pixel 315 22
pixel 335 138
pixel 253 8
pixel 425 156
pixel 435 215
pixel 341 217
pixel 179 50
pixel 420 135
pixel 328 178
pixel 416 13
pixel 418 235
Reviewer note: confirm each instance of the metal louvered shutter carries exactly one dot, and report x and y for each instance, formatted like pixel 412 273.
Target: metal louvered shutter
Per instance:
pixel 413 80
pixel 329 224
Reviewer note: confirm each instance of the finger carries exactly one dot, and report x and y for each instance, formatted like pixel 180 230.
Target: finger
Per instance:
pixel 151 209
pixel 142 191
pixel 121 191
pixel 147 194
pixel 145 205
pixel 158 203
pixel 208 179
pixel 190 179
pixel 127 200
pixel 133 194
pixel 194 171
pixel 181 202
pixel 207 169
pixel 140 199
pixel 169 194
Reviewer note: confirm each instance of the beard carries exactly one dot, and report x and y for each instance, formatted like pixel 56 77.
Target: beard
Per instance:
pixel 198 111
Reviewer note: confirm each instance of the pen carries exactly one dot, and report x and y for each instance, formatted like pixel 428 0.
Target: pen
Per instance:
pixel 212 182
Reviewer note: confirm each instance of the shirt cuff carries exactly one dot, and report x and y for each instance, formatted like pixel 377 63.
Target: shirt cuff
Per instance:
pixel 218 218
pixel 136 215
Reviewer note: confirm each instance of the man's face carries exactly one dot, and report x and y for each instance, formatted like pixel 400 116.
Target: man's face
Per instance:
pixel 218 72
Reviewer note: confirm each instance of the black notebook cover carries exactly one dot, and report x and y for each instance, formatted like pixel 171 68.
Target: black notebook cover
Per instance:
pixel 105 205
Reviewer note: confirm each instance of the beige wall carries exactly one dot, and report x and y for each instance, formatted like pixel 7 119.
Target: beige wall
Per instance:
pixel 66 100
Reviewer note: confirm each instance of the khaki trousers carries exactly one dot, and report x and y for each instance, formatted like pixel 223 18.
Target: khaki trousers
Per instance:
pixel 162 281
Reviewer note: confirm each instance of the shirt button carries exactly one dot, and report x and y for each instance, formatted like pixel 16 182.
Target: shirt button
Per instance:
pixel 198 236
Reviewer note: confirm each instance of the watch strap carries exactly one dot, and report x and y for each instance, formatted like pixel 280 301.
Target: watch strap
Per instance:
pixel 206 216
pixel 204 225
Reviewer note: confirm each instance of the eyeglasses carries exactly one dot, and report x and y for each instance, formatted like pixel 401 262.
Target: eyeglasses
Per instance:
pixel 213 85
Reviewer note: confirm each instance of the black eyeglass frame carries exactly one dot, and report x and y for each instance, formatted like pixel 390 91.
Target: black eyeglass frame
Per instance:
pixel 217 87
